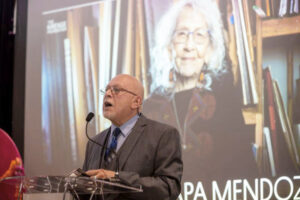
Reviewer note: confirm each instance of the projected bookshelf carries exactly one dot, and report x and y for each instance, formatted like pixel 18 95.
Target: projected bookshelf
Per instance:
pixel 271 28
pixel 288 25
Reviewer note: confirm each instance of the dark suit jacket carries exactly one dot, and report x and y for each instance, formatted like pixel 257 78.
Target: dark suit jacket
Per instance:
pixel 150 156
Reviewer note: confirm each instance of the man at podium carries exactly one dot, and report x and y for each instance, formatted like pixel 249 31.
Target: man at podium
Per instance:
pixel 135 149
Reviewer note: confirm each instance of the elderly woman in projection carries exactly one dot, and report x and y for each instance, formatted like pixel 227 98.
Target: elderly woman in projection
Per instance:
pixel 192 89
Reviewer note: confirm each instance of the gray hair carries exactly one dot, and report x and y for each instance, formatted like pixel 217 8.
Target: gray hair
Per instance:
pixel 162 62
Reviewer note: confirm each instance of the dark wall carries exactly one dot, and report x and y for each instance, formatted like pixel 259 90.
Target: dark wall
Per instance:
pixel 12 69
pixel 18 109
pixel 6 64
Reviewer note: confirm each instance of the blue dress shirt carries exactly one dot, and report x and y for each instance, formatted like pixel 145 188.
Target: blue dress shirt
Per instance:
pixel 126 130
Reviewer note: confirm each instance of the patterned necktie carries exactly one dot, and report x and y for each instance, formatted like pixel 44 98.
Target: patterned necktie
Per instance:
pixel 113 145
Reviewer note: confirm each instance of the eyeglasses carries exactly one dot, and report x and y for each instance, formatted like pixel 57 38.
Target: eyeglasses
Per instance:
pixel 116 90
pixel 199 35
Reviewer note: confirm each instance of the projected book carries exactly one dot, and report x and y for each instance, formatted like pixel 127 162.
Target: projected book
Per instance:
pixel 285 125
pixel 244 58
pixel 270 118
pixel 267 137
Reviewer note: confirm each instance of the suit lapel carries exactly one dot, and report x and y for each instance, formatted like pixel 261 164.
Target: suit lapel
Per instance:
pixel 131 141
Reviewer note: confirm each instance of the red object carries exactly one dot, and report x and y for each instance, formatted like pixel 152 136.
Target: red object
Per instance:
pixel 271 112
pixel 10 165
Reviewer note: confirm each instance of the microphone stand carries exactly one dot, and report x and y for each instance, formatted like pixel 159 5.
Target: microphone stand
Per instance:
pixel 89 117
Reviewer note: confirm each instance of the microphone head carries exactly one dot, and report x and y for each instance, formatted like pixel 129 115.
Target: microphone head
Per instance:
pixel 89 117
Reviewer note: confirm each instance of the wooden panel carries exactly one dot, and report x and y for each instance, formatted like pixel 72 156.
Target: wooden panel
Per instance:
pixel 281 26
pixel 290 84
pixel 259 115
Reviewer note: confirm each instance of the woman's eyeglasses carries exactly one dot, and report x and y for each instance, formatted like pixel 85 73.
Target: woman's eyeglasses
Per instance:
pixel 199 35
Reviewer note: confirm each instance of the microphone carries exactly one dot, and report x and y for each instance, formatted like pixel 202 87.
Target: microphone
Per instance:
pixel 88 118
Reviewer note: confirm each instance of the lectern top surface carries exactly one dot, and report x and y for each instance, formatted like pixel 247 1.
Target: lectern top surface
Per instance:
pixel 59 184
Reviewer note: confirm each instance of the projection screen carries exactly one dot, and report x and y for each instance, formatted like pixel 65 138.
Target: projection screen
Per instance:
pixel 199 70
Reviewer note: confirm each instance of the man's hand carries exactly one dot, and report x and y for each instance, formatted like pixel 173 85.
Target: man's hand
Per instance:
pixel 100 173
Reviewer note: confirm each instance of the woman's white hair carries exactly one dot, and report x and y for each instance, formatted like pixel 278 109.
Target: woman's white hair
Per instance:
pixel 162 61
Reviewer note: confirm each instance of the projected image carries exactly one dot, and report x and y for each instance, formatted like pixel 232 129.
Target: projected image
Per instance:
pixel 69 81
pixel 193 90
pixel 197 63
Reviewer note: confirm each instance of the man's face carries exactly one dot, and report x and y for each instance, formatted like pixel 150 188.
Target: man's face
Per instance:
pixel 118 106
pixel 190 42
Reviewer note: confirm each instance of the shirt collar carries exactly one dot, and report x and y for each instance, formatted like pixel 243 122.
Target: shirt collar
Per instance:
pixel 127 126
